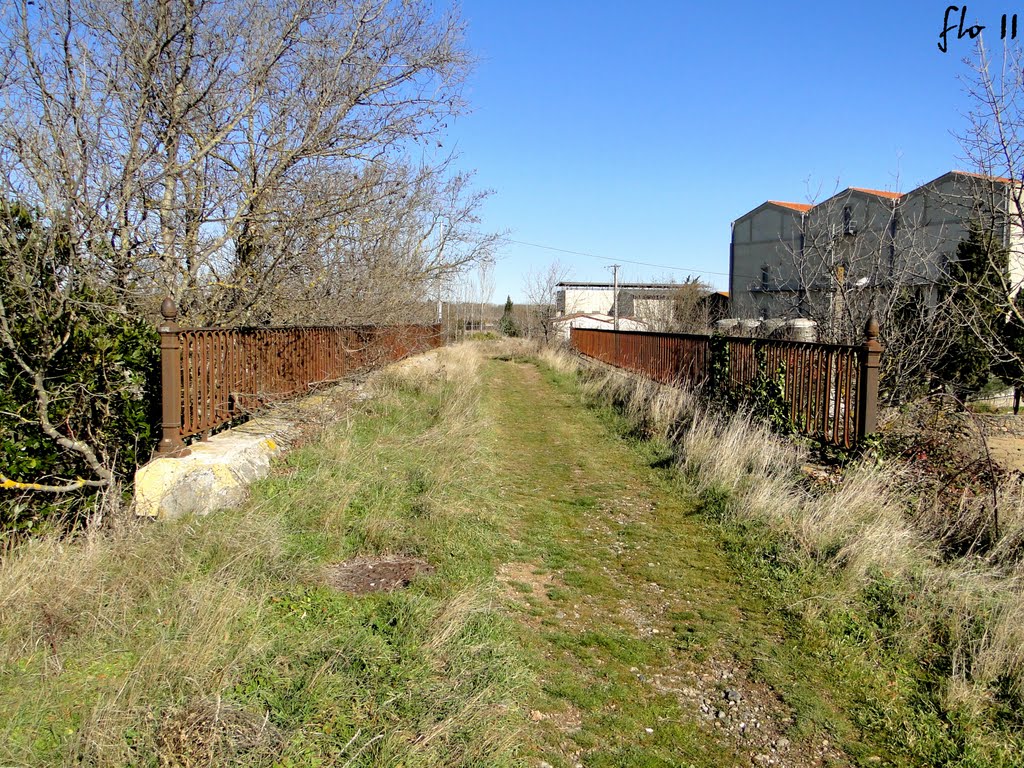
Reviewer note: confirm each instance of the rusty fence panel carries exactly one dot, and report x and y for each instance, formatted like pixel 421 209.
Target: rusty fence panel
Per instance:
pixel 830 390
pixel 669 358
pixel 211 376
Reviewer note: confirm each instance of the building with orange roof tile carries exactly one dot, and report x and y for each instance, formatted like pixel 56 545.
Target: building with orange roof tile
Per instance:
pixel 845 257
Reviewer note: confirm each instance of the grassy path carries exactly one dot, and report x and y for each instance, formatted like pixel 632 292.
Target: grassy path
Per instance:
pixel 579 613
pixel 639 630
pixel 613 581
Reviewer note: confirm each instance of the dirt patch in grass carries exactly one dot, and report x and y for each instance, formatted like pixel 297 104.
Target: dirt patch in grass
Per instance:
pixel 567 720
pixel 525 578
pixel 375 574
pixel 214 733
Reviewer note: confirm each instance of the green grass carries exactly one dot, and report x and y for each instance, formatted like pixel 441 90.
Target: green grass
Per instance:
pixel 845 661
pixel 580 583
pixel 231 609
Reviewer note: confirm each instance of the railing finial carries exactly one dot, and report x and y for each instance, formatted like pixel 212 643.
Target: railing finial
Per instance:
pixel 871 328
pixel 169 309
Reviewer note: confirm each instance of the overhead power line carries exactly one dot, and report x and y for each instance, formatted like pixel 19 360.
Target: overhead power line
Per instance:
pixel 619 259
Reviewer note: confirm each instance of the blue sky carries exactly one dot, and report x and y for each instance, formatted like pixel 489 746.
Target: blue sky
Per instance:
pixel 640 131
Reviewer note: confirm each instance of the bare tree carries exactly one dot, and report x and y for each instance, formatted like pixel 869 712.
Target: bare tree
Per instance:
pixel 868 253
pixel 483 288
pixel 993 143
pixel 541 289
pixel 260 162
pixel 683 308
pixel 207 148
pixel 391 264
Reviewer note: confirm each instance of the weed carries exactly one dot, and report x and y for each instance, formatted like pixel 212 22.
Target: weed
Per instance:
pixel 208 641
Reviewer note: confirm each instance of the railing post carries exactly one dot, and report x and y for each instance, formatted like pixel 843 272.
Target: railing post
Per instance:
pixel 170 383
pixel 867 392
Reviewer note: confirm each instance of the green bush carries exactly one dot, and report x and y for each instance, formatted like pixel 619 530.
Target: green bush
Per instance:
pixel 103 386
pixel 98 362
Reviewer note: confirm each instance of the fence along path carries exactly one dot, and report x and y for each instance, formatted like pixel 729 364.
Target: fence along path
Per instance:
pixel 830 390
pixel 210 376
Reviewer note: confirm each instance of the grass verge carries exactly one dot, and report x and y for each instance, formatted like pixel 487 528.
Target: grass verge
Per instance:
pixel 922 653
pixel 216 641
pixel 644 583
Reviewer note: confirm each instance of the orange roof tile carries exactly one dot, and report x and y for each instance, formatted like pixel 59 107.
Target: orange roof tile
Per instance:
pixel 878 192
pixel 982 176
pixel 802 207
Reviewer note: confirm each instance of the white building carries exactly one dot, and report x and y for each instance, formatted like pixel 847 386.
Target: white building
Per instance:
pixel 573 298
pixel 563 324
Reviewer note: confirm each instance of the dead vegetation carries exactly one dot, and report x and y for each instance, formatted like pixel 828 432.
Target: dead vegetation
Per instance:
pixel 917 523
pixel 211 733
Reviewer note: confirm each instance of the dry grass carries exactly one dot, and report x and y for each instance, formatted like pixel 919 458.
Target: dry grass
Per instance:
pixel 653 410
pixel 215 733
pixel 734 453
pixel 148 621
pixel 863 529
pixel 132 646
pixel 558 358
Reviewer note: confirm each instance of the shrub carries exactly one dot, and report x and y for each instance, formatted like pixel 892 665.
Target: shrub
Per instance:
pixel 74 352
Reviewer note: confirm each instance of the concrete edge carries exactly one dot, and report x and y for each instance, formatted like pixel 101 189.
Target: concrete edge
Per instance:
pixel 217 473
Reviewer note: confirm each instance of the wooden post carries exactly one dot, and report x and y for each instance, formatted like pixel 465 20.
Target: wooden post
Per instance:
pixel 867 392
pixel 170 383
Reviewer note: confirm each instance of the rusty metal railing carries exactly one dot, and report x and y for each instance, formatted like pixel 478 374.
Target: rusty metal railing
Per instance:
pixel 668 358
pixel 830 390
pixel 211 376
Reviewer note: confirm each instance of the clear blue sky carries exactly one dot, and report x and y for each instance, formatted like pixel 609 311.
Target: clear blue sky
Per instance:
pixel 640 131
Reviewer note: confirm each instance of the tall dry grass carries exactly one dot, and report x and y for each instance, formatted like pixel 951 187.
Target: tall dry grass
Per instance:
pixel 870 526
pixel 153 612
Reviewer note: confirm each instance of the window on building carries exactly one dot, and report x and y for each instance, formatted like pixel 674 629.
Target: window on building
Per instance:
pixel 849 225
pixel 765 276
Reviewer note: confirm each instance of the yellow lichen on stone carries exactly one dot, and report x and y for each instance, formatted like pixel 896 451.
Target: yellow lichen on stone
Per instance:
pixel 150 482
pixel 225 477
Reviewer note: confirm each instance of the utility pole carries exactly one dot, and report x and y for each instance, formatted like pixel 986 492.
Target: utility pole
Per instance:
pixel 440 248
pixel 615 294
